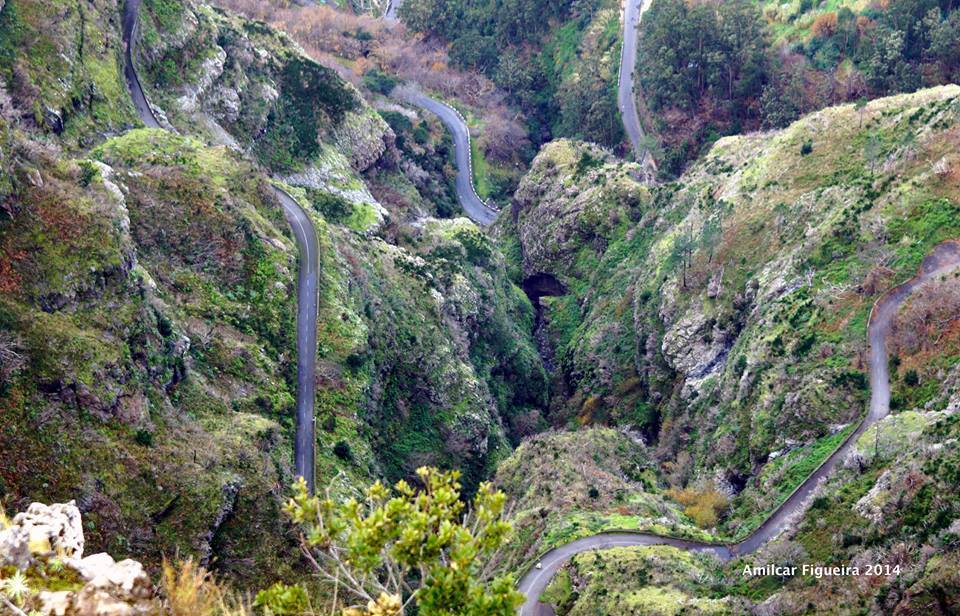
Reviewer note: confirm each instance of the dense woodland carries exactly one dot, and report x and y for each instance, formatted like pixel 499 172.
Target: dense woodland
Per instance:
pixel 539 52
pixel 709 69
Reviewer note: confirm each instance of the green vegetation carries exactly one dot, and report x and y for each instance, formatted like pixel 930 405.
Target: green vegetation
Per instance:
pixel 568 485
pixel 431 148
pixel 378 81
pixel 309 95
pixel 717 345
pixel 767 64
pixel 660 581
pixel 373 548
pixel 557 59
pixel 64 74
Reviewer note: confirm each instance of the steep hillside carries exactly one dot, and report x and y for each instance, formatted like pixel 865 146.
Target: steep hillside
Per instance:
pixel 61 68
pixel 150 309
pixel 890 506
pixel 148 292
pixel 724 315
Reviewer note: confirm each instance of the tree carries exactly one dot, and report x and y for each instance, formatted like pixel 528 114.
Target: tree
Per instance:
pixel 860 105
pixel 680 253
pixel 885 67
pixel 944 44
pixel 782 103
pixel 392 549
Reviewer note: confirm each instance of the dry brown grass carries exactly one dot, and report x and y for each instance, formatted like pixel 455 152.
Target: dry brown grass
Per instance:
pixel 331 37
pixel 703 505
pixel 190 590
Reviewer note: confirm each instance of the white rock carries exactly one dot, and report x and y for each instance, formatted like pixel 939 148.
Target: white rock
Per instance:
pixel 42 530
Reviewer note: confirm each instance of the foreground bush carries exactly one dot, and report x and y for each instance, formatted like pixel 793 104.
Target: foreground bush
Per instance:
pixel 405 546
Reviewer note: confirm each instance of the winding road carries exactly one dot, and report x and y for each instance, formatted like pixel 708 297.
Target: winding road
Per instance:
pixel 305 235
pixel 944 258
pixel 472 204
pixel 632 11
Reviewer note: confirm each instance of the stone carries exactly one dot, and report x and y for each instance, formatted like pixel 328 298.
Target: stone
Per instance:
pixel 715 286
pixel 58 603
pixel 41 531
pixel 112 589
pixel 126 579
pixel 15 548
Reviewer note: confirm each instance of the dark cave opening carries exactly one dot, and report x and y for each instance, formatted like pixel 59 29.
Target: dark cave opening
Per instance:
pixel 537 286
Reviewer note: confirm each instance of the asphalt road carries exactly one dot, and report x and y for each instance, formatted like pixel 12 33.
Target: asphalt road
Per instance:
pixel 392 9
pixel 306 238
pixel 472 204
pixel 944 258
pixel 632 11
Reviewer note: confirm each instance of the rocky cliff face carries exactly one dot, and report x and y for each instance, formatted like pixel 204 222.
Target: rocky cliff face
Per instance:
pixel 724 315
pixel 148 289
pixel 59 65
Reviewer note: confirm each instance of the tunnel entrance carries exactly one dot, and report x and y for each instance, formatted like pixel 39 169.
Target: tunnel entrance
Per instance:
pixel 542 285
pixel 537 286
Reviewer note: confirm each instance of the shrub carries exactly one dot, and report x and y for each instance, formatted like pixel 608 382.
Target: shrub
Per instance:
pixel 144 437
pixel 703 505
pixel 911 378
pixel 282 600
pixel 333 207
pixel 379 81
pixel 593 493
pixel 424 543
pixel 342 450
pixel 806 148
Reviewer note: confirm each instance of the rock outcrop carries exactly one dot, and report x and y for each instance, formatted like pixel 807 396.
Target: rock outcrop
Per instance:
pixel 50 537
pixel 42 531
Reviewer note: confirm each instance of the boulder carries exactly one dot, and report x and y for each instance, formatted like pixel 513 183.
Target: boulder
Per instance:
pixel 42 530
pixel 109 588
pixel 125 580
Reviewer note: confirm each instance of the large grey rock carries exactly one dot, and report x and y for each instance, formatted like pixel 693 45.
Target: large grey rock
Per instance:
pixel 125 580
pixel 112 589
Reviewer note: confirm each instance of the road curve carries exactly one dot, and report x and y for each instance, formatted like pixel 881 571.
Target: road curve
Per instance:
pixel 473 205
pixel 945 257
pixel 305 235
pixel 632 11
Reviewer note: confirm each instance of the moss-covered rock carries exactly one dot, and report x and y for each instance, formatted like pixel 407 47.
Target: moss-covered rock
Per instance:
pixel 724 315
pixel 153 309
pixel 655 581
pixel 61 63
pixel 567 485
